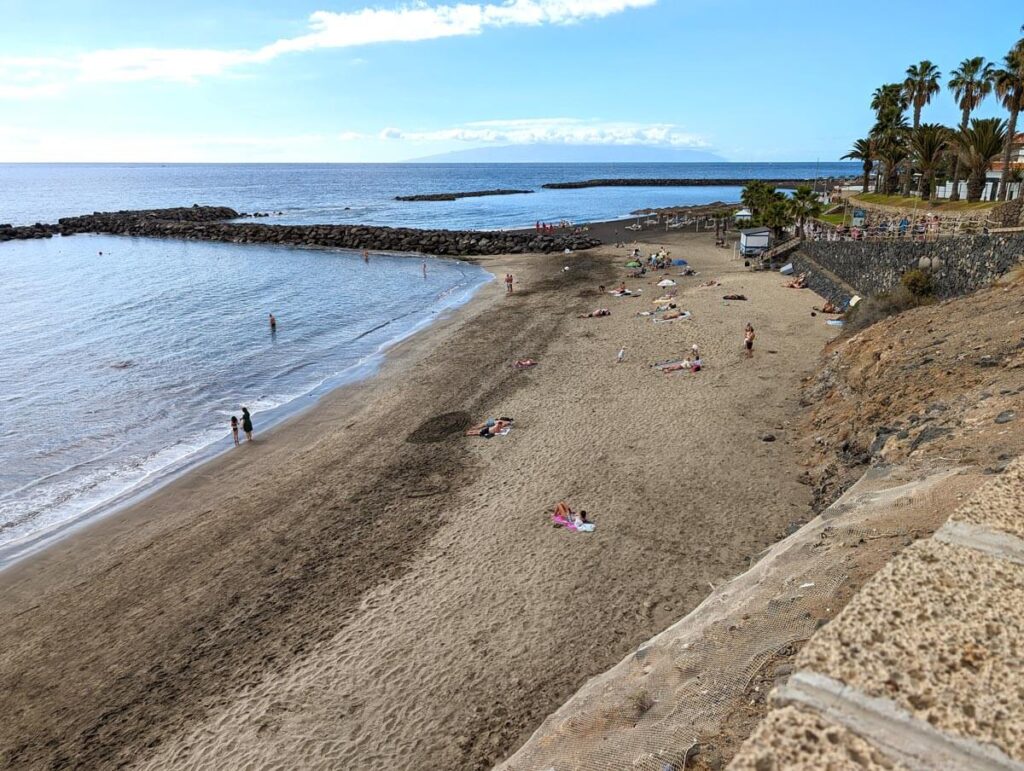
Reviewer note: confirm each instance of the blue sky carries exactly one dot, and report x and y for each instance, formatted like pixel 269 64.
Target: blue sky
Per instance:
pixel 386 80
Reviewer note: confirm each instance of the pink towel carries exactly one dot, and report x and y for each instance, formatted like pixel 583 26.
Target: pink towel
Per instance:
pixel 558 519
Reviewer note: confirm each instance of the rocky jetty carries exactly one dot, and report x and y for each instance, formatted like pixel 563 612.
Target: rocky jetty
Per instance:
pixel 24 232
pixel 672 183
pixel 206 223
pixel 457 196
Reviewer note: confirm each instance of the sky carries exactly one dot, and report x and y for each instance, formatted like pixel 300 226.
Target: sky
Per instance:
pixel 392 80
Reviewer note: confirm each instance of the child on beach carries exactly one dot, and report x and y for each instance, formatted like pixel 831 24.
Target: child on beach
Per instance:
pixel 748 340
pixel 234 429
pixel 247 424
pixel 508 283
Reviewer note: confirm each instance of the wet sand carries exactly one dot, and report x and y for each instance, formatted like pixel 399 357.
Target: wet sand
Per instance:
pixel 365 587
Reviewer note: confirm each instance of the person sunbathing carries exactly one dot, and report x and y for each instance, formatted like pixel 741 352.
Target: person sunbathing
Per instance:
pixel 524 363
pixel 490 429
pixel 677 367
pixel 828 307
pixel 734 297
pixel 673 314
pixel 596 314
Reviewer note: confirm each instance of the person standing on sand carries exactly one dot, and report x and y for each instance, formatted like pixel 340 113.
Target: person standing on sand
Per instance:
pixel 234 429
pixel 508 283
pixel 247 424
pixel 748 340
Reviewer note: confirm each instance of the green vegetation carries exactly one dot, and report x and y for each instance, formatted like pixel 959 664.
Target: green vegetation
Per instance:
pixel 904 203
pixel 915 289
pixel 900 151
pixel 773 209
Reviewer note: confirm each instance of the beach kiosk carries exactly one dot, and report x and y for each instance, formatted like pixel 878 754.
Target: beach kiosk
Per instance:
pixel 743 216
pixel 754 241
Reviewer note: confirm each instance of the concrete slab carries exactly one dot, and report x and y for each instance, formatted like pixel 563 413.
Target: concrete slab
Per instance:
pixel 940 632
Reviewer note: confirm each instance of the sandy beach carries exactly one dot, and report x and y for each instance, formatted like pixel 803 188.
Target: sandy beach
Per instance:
pixel 366 587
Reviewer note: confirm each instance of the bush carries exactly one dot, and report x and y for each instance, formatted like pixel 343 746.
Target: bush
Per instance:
pixel 918 283
pixel 882 306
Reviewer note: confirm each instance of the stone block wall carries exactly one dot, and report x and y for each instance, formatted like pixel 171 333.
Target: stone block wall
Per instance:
pixel 963 264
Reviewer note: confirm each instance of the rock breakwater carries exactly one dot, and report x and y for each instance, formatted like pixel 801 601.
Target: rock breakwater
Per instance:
pixel 24 232
pixel 691 182
pixel 207 223
pixel 456 196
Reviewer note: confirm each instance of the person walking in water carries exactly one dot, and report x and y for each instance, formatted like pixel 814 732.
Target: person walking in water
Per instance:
pixel 508 283
pixel 234 429
pixel 273 323
pixel 247 424
pixel 424 269
pixel 366 256
pixel 748 340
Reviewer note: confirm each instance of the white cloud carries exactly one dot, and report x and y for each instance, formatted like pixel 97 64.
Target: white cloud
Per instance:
pixel 25 77
pixel 570 131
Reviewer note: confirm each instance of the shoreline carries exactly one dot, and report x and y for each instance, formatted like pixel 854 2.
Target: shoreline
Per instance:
pixel 371 554
pixel 136 493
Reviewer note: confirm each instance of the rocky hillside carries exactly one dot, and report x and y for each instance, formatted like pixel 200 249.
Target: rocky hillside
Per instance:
pixel 946 380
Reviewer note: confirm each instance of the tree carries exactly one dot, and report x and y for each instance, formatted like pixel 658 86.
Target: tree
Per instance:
pixel 1009 87
pixel 920 85
pixel 777 215
pixel 802 206
pixel 978 145
pixel 864 151
pixel 928 149
pixel 892 152
pixel 756 196
pixel 970 83
pixel 889 132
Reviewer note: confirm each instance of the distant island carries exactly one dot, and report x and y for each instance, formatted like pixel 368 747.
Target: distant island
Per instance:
pixel 672 183
pixel 456 196
pixel 566 153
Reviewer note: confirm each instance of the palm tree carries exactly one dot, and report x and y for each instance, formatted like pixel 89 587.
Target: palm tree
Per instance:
pixel 889 132
pixel 978 145
pixel 1009 87
pixel 802 206
pixel 864 151
pixel 889 102
pixel 928 150
pixel 920 85
pixel 892 152
pixel 970 83
pixel 757 195
pixel 777 215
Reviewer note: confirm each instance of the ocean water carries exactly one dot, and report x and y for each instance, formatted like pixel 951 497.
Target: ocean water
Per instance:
pixel 364 193
pixel 120 367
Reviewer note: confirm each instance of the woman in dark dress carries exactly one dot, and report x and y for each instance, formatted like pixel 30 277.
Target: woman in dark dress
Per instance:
pixel 247 423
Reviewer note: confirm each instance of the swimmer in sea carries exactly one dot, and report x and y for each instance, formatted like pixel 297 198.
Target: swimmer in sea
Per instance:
pixel 273 322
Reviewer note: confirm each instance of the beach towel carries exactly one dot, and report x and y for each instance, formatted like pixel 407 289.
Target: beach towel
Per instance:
pixel 681 317
pixel 568 524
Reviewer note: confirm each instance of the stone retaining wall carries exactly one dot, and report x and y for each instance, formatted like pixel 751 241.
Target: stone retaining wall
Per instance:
pixel 206 223
pixel 962 264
